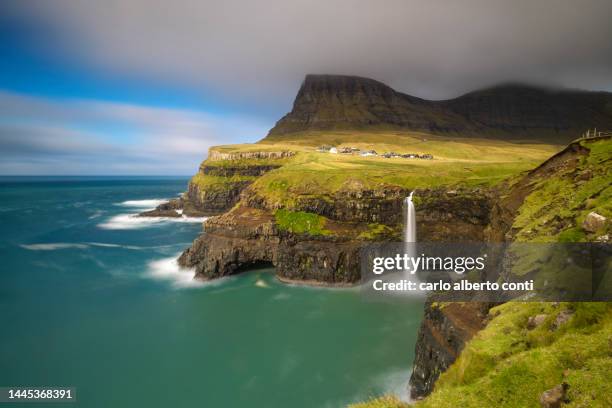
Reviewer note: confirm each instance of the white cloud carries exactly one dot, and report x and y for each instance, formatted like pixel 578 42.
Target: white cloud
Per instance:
pixel 48 136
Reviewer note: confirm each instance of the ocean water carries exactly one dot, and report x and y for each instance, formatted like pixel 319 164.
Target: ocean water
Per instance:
pixel 92 298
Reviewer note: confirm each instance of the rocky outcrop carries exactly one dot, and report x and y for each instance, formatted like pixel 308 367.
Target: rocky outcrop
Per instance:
pixel 555 397
pixel 355 205
pixel 453 215
pixel 211 201
pixel 216 155
pixel 198 202
pixel 328 102
pixel 442 213
pixel 229 171
pixel 443 333
pixel 219 182
pixel 172 208
pixel 594 222
pixel 248 234
pixel 245 237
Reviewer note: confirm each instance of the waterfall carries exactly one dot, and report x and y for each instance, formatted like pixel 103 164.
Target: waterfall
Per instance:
pixel 410 234
pixel 409 230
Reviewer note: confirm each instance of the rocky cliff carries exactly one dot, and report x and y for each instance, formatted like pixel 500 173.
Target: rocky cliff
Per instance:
pixel 583 168
pixel 444 331
pixel 333 102
pixel 327 249
pixel 217 185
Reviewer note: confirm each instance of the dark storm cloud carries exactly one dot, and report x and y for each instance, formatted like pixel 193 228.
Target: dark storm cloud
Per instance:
pixel 260 50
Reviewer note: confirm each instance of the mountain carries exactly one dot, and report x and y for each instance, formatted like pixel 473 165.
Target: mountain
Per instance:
pixel 337 102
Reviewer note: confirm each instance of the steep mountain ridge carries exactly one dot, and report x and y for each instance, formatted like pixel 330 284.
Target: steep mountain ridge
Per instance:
pixel 345 102
pixel 512 111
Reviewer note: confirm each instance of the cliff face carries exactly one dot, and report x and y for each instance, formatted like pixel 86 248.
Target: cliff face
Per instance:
pixel 581 168
pixel 219 182
pixel 444 331
pixel 250 233
pixel 331 102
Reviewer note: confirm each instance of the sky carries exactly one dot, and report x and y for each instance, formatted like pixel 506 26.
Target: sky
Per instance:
pixel 145 87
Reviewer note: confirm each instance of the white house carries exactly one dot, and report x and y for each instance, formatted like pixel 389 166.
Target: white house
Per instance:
pixel 333 150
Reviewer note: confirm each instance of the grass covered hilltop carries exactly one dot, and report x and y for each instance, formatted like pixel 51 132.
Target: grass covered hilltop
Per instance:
pixel 456 162
pixel 502 164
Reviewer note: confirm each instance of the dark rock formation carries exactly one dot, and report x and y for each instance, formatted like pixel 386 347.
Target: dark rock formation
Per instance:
pixel 355 205
pixel 459 214
pixel 443 334
pixel 229 171
pixel 168 209
pixel 328 102
pixel 215 155
pixel 554 397
pixel 196 202
pixel 248 235
pixel 213 201
pixel 233 179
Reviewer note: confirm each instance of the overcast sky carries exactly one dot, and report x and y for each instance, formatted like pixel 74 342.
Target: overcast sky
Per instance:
pixel 109 76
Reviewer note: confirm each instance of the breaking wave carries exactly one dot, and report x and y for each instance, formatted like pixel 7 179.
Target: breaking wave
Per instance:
pixel 150 203
pixel 168 269
pixel 53 246
pixel 134 221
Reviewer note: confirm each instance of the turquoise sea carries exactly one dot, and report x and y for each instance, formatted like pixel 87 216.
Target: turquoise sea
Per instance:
pixel 91 298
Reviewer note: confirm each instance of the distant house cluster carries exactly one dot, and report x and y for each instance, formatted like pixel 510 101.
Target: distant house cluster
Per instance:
pixel 366 153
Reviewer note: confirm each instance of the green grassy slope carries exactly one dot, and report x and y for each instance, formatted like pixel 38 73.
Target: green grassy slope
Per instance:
pixel 469 162
pixel 556 208
pixel 507 364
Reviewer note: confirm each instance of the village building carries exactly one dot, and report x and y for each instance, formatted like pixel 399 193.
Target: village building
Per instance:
pixel 391 155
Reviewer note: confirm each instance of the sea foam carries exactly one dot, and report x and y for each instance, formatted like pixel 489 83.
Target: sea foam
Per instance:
pixel 53 246
pixel 168 269
pixel 149 203
pixel 134 221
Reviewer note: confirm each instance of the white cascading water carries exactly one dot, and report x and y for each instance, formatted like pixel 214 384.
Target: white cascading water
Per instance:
pixel 409 230
pixel 410 220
